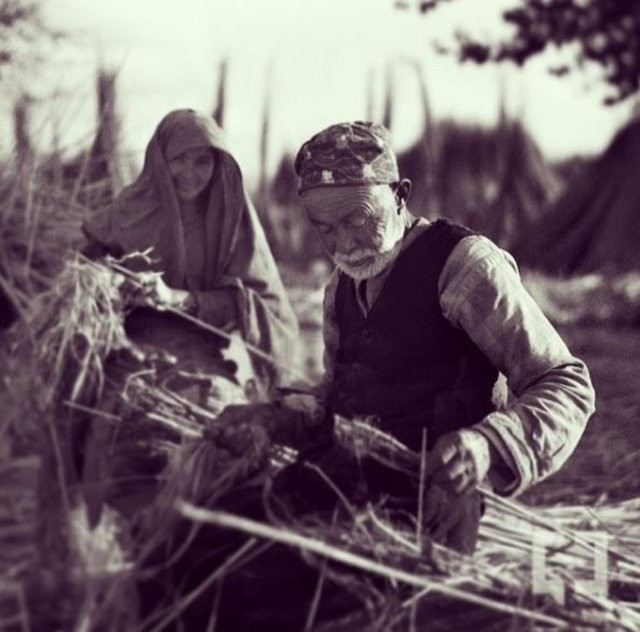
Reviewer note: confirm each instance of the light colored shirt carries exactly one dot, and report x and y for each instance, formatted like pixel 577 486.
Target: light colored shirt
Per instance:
pixel 481 293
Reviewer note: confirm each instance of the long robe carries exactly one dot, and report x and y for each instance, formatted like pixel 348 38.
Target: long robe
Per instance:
pixel 233 263
pixel 218 253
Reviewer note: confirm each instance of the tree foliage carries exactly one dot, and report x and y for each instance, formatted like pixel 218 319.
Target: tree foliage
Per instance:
pixel 20 24
pixel 605 32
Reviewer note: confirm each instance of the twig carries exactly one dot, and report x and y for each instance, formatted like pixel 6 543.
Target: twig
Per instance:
pixel 295 372
pixel 94 412
pixel 421 487
pixel 194 594
pixel 258 529
pixel 315 602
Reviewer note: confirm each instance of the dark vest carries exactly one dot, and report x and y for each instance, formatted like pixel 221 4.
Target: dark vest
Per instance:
pixel 404 362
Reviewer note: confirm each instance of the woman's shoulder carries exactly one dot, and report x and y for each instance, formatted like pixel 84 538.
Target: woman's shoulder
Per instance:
pixel 99 234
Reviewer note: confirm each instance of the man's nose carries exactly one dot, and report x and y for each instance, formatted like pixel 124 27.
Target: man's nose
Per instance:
pixel 345 241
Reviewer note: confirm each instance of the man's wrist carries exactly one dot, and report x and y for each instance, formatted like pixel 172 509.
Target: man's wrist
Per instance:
pixel 480 449
pixel 501 474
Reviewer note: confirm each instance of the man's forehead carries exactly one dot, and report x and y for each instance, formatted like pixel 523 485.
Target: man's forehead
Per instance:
pixel 341 199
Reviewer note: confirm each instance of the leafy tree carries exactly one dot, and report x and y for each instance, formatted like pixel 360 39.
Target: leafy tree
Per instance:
pixel 20 24
pixel 604 32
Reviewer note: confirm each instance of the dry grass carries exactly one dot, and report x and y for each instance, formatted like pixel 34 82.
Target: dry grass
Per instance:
pixel 57 377
pixel 498 578
pixel 39 224
pixel 75 323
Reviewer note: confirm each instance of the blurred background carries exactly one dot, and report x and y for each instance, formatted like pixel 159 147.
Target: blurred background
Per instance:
pixel 517 118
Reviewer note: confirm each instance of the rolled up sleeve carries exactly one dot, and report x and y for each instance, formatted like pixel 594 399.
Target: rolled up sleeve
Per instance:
pixel 535 432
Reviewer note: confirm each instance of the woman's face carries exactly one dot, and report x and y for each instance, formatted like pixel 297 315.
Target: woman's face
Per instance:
pixel 191 172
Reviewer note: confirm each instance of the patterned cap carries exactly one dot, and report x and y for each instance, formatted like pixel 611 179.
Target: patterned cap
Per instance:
pixel 347 154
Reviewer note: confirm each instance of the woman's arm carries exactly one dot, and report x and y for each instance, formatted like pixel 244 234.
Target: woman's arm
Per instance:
pixel 252 291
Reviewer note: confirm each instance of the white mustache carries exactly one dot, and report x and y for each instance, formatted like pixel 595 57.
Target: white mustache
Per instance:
pixel 357 255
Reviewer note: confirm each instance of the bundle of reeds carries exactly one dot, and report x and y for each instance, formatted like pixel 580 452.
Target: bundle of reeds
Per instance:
pixel 532 568
pixel 400 576
pixel 39 225
pixel 71 394
pixel 17 535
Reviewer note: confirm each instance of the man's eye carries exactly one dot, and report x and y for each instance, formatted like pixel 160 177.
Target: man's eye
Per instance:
pixel 325 229
pixel 358 222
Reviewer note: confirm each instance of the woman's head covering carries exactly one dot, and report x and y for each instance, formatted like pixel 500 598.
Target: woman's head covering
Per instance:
pixel 146 214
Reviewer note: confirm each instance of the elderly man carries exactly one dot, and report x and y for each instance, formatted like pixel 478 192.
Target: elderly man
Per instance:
pixel 420 318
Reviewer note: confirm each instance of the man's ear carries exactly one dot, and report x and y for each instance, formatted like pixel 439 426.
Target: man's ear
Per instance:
pixel 403 191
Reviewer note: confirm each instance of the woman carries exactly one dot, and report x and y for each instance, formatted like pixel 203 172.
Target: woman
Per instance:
pixel 190 208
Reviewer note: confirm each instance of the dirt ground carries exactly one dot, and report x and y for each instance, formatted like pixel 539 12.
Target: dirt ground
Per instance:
pixel 606 463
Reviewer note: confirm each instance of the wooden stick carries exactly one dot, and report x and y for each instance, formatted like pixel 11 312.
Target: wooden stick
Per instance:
pixel 421 487
pixel 224 519
pixel 216 330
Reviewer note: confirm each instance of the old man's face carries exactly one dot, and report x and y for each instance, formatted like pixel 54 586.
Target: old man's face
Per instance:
pixel 359 225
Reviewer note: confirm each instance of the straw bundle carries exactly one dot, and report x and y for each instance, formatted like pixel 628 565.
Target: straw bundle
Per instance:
pixel 39 225
pixel 398 576
pixel 401 577
pixel 17 533
pixel 66 405
pixel 76 324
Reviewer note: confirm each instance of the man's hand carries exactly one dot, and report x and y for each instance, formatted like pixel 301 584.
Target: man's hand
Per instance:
pixel 238 425
pixel 242 415
pixel 288 426
pixel 459 461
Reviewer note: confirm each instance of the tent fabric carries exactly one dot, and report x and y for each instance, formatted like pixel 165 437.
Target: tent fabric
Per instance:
pixel 595 225
pixel 494 180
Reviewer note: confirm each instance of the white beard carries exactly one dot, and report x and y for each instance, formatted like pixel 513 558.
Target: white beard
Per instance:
pixel 382 259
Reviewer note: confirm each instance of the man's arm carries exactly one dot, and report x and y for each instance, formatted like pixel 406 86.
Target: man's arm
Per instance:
pixel 481 293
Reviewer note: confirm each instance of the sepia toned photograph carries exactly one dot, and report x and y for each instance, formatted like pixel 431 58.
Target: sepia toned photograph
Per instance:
pixel 319 316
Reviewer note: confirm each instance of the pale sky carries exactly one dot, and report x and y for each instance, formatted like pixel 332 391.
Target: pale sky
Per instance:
pixel 318 55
